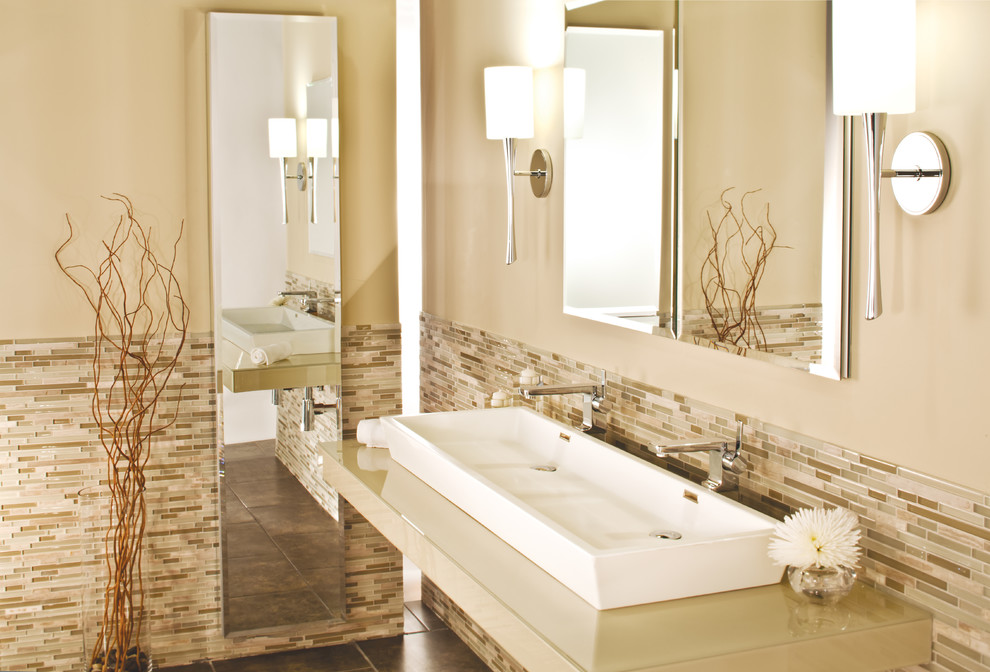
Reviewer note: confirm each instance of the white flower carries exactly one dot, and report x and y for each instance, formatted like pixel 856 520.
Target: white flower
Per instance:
pixel 817 537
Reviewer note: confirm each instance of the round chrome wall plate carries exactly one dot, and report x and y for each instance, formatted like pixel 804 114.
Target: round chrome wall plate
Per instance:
pixel 920 151
pixel 540 173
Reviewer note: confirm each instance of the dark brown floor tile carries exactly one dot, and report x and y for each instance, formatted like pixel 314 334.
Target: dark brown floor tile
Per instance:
pixel 249 540
pixel 261 576
pixel 411 624
pixel 328 585
pixel 425 615
pixel 246 451
pixel 342 658
pixel 306 518
pixel 436 651
pixel 268 611
pixel 234 512
pixel 312 551
pixel 193 667
pixel 255 469
pixel 273 492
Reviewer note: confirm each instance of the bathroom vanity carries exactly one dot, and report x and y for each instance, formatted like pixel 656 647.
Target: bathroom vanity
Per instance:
pixel 546 627
pixel 239 374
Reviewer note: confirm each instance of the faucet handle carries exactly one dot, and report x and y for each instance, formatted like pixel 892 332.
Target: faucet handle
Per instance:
pixel 734 463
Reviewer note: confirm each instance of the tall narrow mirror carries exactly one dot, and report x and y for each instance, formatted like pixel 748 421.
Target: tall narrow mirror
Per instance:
pixel 276 275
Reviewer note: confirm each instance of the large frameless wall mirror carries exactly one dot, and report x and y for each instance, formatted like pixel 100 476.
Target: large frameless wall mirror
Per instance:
pixel 274 206
pixel 753 251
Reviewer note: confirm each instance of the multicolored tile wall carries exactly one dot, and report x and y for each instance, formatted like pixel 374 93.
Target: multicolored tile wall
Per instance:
pixel 789 331
pixel 297 450
pixel 469 632
pixel 49 450
pixel 371 374
pixel 371 386
pixel 925 540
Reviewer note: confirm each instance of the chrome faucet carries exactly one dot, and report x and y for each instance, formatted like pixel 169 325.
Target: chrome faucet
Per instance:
pixel 722 454
pixel 308 301
pixel 593 395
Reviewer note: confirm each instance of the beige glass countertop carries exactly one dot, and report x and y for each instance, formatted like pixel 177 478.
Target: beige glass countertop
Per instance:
pixel 546 627
pixel 240 374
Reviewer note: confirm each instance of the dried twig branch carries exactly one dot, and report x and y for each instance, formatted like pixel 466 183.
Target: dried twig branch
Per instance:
pixel 732 271
pixel 141 323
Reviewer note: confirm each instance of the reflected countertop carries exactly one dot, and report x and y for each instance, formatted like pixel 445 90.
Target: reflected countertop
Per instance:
pixel 240 374
pixel 546 627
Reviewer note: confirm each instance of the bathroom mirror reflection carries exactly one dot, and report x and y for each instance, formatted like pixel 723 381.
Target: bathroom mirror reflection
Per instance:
pixel 755 262
pixel 276 276
pixel 619 128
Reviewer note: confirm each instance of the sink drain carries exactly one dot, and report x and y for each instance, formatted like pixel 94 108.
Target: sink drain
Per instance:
pixel 665 534
pixel 544 467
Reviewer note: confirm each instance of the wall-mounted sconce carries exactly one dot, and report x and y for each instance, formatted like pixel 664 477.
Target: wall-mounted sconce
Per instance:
pixel 508 116
pixel 282 145
pixel 873 74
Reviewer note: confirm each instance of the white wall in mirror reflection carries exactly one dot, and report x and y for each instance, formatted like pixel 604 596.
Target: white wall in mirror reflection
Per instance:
pixel 614 172
pixel 247 85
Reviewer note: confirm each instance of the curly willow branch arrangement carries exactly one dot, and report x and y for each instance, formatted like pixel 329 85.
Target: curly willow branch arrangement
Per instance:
pixel 140 329
pixel 732 270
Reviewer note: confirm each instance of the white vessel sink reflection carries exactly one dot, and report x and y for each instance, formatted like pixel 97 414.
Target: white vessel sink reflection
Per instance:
pixel 250 328
pixel 614 529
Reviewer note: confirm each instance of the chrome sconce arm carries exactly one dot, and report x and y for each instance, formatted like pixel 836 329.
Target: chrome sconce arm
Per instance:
pixel 508 117
pixel 873 126
pixel 920 171
pixel 540 176
pixel 282 145
pixel 510 233
pixel 301 176
pixel 873 54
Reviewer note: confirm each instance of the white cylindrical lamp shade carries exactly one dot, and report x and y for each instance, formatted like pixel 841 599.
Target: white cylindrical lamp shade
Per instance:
pixel 509 102
pixel 316 138
pixel 873 56
pixel 574 102
pixel 281 138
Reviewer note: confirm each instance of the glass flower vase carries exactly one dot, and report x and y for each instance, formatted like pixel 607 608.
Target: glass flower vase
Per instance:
pixel 824 585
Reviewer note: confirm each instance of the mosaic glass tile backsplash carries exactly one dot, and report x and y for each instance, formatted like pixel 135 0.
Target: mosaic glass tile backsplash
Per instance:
pixel 924 539
pixel 49 451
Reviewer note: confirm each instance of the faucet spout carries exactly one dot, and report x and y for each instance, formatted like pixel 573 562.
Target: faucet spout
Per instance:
pixel 530 391
pixel 592 397
pixel 722 454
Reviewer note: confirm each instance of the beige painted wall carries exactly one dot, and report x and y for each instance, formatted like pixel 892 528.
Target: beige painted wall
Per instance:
pixel 918 386
pixel 753 119
pixel 109 96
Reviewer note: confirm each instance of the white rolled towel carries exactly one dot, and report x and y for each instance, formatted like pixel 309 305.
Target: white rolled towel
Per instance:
pixel 269 354
pixel 371 432
pixel 373 459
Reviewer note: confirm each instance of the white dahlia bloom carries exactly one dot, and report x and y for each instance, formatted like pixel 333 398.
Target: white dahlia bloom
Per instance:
pixel 817 537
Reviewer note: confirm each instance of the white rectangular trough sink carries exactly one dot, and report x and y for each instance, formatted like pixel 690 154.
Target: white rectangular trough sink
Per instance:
pixel 616 530
pixel 250 328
